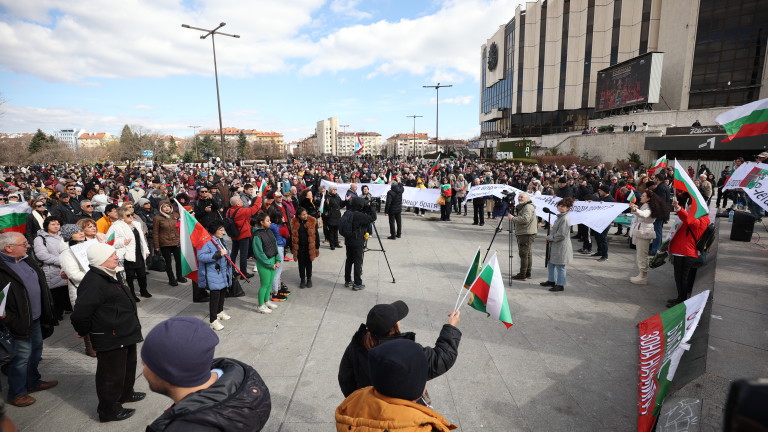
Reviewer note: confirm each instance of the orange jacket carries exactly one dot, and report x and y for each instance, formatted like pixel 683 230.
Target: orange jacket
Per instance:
pixel 367 410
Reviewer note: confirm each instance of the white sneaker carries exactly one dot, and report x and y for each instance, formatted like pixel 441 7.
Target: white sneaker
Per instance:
pixel 223 316
pixel 271 305
pixel 216 325
pixel 263 309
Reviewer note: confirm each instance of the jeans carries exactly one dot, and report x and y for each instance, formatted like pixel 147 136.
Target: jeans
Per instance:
pixel 658 227
pixel 279 270
pixel 23 373
pixel 556 273
pixel 241 247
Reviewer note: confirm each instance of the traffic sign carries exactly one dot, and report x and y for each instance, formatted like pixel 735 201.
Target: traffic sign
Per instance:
pixel 148 153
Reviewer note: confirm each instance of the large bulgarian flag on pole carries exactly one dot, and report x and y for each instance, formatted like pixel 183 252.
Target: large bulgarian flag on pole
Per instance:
pixel 684 183
pixel 745 121
pixel 436 164
pixel 663 340
pixel 13 217
pixel 193 236
pixel 660 163
pixel 489 295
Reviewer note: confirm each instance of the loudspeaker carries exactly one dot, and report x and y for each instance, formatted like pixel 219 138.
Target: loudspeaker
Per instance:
pixel 742 227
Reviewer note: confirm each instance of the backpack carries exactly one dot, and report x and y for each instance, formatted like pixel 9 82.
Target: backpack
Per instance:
pixel 704 242
pixel 345 225
pixel 230 226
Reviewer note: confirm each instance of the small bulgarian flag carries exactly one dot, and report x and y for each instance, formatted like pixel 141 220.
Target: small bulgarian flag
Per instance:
pixel 660 163
pixel 322 204
pixel 437 163
pixel 473 270
pixel 631 197
pixel 745 121
pixel 3 299
pixel 193 236
pixel 111 239
pixel 663 340
pixel 489 295
pixel 698 205
pixel 263 186
pixel 13 217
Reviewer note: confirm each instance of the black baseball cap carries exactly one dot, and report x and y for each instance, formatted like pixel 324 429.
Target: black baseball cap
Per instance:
pixel 382 317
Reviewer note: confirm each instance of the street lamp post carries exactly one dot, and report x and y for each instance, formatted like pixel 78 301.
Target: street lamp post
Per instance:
pixel 414 134
pixel 194 133
pixel 437 111
pixel 212 33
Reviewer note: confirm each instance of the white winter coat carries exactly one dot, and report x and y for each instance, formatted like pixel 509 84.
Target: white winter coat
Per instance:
pixel 124 231
pixel 74 271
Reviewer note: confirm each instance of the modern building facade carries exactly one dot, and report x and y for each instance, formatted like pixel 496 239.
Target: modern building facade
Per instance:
pixel 68 137
pixel 327 136
pixel 539 70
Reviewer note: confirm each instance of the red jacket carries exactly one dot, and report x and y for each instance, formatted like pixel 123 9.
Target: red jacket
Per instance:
pixel 683 243
pixel 243 217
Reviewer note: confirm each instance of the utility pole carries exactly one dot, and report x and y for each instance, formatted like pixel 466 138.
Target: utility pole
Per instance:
pixel 194 133
pixel 414 134
pixel 437 111
pixel 212 34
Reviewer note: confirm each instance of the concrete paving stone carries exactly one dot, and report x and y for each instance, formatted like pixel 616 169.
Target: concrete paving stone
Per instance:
pixel 281 392
pixel 547 406
pixel 606 399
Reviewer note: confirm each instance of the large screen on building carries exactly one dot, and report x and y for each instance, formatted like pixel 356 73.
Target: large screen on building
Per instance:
pixel 634 82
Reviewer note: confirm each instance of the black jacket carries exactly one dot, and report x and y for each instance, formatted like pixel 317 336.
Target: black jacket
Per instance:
pixel 332 209
pixel 204 217
pixel 66 212
pixel 394 204
pixel 106 310
pixel 354 373
pixel 18 310
pixel 360 221
pixel 238 401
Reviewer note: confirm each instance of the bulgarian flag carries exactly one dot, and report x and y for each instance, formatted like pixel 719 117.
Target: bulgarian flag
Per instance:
pixel 489 295
pixel 436 164
pixel 111 239
pixel 684 183
pixel 663 340
pixel 660 163
pixel 193 236
pixel 473 270
pixel 13 217
pixel 322 204
pixel 745 121
pixel 631 197
pixel 263 186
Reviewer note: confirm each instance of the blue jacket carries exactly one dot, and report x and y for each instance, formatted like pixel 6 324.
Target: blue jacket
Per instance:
pixel 208 275
pixel 281 241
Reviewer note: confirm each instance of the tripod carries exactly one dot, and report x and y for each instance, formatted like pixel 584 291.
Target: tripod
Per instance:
pixel 381 245
pixel 509 239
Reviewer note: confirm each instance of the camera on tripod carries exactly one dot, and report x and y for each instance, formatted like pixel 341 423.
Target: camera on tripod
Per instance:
pixel 509 196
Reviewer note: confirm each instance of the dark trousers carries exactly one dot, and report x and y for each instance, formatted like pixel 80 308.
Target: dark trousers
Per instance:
pixel 524 246
pixel 721 195
pixel 326 235
pixel 136 271
pixel 241 247
pixel 445 211
pixel 685 275
pixel 215 304
pixel 479 217
pixel 167 251
pixel 115 376
pixel 305 266
pixel 395 221
pixel 601 238
pixel 333 236
pixel 61 301
pixel 354 257
pixel 586 239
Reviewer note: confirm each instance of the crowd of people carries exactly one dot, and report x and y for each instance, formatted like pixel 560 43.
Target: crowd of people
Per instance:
pixel 260 218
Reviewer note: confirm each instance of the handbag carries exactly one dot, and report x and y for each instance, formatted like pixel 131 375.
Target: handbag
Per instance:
pixel 441 200
pixel 234 290
pixel 157 263
pixel 6 347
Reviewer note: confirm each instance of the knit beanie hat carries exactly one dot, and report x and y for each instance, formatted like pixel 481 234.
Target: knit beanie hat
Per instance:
pixel 98 253
pixel 180 351
pixel 68 230
pixel 141 202
pixel 398 369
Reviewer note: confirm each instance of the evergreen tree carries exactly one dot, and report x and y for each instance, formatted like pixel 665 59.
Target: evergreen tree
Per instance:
pixel 208 145
pixel 38 142
pixel 242 145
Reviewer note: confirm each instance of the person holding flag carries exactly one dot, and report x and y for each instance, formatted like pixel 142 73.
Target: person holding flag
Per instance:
pixel 215 273
pixel 652 207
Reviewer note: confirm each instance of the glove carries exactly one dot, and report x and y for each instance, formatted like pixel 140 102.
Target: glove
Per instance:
pixel 217 255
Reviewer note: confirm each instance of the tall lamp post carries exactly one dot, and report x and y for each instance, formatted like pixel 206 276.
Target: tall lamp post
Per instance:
pixel 414 134
pixel 212 33
pixel 437 111
pixel 194 137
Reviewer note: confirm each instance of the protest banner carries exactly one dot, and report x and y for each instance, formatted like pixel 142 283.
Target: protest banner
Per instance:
pixel 412 197
pixel 663 340
pixel 752 178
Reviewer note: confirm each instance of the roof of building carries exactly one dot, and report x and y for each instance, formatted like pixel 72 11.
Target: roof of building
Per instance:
pixel 236 131
pixel 95 135
pixel 407 136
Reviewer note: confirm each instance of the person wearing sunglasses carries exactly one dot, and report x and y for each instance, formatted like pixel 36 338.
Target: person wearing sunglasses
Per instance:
pixel 3 198
pixel 36 218
pixel 87 211
pixel 65 209
pixel 132 249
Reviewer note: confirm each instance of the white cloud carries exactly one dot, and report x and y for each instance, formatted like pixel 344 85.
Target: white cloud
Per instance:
pixel 459 100
pixel 143 38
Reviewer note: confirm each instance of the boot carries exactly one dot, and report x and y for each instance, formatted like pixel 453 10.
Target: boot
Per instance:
pixel 303 283
pixel 309 282
pixel 640 279
pixel 89 351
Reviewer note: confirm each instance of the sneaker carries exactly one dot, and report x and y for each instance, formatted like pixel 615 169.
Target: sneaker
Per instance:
pixel 287 259
pixel 585 251
pixel 284 291
pixel 271 305
pixel 547 284
pixel 358 287
pixel 557 288
pixel 263 309
pixel 348 284
pixel 596 254
pixel 602 259
pixel 276 297
pixel 216 325
pixel 223 316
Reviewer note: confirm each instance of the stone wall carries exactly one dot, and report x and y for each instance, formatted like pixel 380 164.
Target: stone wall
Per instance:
pixel 663 119
pixel 607 147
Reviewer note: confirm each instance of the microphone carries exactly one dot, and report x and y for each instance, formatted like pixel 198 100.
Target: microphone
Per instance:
pixel 547 210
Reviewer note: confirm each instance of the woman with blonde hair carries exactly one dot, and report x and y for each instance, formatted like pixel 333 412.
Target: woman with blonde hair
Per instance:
pixel 132 250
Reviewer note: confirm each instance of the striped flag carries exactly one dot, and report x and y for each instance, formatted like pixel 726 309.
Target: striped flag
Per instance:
pixel 474 268
pixel 631 197
pixel 435 166
pixel 489 295
pixel 13 217
pixel 660 163
pixel 193 236
pixel 358 145
pixel 111 239
pixel 745 121
pixel 3 299
pixel 684 183
pixel 322 204
pixel 263 186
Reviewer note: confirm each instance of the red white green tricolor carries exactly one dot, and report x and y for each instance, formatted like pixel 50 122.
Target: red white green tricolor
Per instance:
pixel 13 217
pixel 745 121
pixel 437 163
pixel 684 183
pixel 488 293
pixel 663 340
pixel 660 163
pixel 193 236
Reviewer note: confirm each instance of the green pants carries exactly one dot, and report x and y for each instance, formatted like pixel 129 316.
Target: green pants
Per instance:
pixel 266 276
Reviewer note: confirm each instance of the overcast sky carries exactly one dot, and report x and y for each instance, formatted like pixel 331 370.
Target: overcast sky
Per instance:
pixel 100 64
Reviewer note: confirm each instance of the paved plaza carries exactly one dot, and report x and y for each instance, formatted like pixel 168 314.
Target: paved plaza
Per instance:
pixel 568 363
